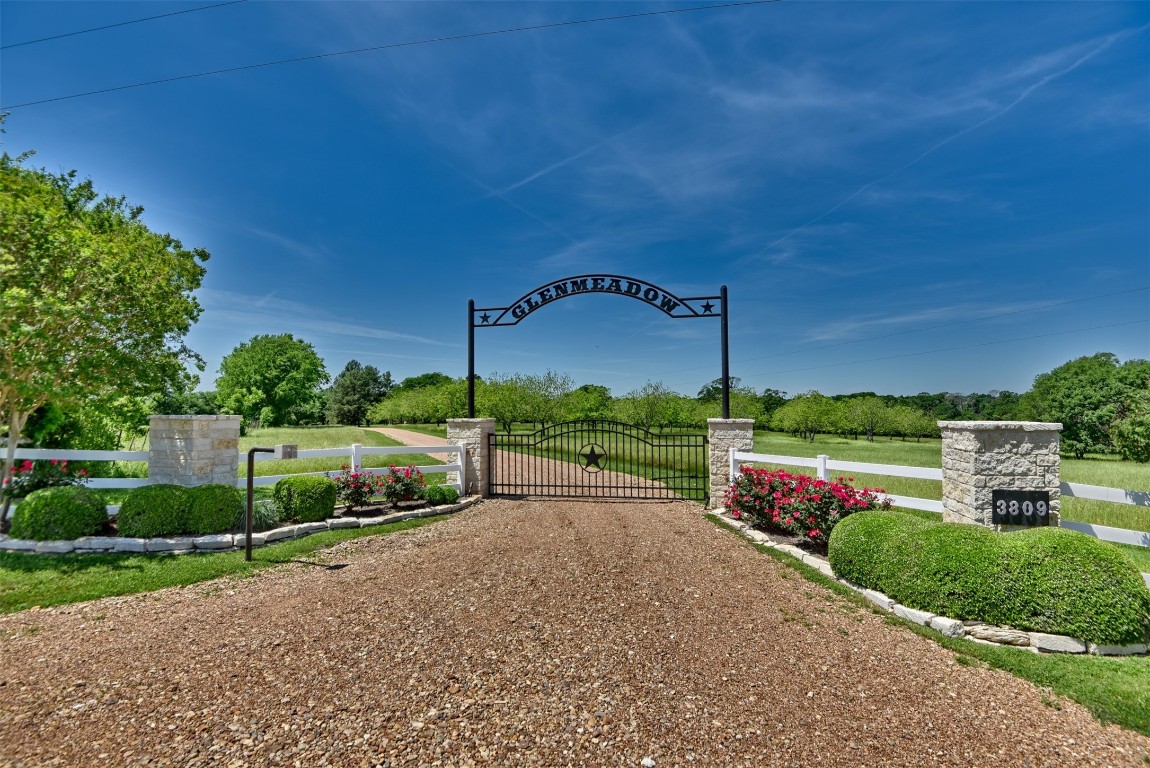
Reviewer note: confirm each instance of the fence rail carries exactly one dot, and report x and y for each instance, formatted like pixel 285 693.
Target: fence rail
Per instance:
pixel 824 464
pixel 457 456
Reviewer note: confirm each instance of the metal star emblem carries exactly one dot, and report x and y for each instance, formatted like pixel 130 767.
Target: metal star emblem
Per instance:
pixel 593 458
pixel 708 308
pixel 486 318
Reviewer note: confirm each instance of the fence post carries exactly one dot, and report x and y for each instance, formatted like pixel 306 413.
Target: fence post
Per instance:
pixel 356 456
pixel 823 472
pixel 724 436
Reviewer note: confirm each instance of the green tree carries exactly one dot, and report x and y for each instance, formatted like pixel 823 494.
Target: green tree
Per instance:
pixel 274 379
pixel 867 415
pixel 771 400
pixel 806 415
pixel 503 398
pixel 423 380
pixel 95 305
pixel 590 401
pixel 354 391
pixel 1086 395
pixel 1131 432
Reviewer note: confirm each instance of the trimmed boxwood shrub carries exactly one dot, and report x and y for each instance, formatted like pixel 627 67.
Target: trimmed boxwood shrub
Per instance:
pixel 440 494
pixel 1050 580
pixel 306 498
pixel 61 512
pixel 154 510
pixel 213 508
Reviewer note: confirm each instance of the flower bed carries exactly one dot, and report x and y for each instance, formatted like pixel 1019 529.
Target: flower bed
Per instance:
pixel 797 505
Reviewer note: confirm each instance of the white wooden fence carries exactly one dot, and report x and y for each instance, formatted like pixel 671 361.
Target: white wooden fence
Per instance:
pixel 824 464
pixel 354 455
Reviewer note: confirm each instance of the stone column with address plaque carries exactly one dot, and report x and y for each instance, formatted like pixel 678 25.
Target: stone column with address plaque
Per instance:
pixel 1000 474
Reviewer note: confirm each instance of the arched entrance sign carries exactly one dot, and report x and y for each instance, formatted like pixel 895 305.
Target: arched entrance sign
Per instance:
pixel 676 307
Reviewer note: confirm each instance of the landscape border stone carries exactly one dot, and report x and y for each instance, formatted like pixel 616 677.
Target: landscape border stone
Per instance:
pixel 974 631
pixel 220 542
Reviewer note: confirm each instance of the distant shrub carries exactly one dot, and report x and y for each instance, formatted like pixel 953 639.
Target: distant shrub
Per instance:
pixel 59 512
pixel 213 508
pixel 437 495
pixel 154 510
pixel 306 498
pixel 1050 580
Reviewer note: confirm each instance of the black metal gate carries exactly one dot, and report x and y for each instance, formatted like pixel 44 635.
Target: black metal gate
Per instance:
pixel 600 458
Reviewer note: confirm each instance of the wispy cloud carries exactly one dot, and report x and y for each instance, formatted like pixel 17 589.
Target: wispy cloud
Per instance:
pixel 1057 58
pixel 266 311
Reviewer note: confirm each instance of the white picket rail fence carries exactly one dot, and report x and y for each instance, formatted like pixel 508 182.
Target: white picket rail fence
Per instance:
pixel 824 464
pixel 354 455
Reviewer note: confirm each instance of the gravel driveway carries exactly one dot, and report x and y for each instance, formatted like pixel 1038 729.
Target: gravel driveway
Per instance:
pixel 554 633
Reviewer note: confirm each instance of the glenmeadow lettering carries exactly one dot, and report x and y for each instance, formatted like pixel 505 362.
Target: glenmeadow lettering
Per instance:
pixel 657 297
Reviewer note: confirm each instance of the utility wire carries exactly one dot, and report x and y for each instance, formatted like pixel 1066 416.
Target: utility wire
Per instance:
pixel 119 24
pixel 952 349
pixel 904 333
pixel 945 325
pixel 405 44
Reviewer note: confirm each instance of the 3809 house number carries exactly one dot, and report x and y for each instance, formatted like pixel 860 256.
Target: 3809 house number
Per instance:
pixel 1020 507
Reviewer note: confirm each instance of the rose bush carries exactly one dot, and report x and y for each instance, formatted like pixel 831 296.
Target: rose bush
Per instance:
pixel 799 505
pixel 29 476
pixel 403 484
pixel 356 487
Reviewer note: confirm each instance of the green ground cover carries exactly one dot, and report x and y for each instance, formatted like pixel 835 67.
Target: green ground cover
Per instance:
pixel 31 580
pixel 1112 688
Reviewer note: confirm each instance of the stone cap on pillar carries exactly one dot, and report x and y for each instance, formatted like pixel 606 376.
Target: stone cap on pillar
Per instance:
pixel 1021 426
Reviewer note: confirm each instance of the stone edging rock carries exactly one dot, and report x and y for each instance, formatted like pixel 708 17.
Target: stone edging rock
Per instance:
pixel 975 631
pixel 219 542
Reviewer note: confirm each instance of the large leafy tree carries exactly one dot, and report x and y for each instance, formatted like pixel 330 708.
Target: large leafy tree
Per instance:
pixel 95 305
pixel 1087 396
pixel 354 391
pixel 275 379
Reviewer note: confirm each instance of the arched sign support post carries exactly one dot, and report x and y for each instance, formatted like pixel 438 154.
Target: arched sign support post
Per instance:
pixel 673 306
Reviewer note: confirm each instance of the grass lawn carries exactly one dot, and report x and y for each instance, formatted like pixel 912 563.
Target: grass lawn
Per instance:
pixel 31 580
pixel 1112 688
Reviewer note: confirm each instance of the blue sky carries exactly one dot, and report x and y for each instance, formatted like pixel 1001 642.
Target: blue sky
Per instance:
pixel 900 197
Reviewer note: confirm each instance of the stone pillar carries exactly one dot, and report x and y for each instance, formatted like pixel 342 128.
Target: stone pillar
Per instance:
pixel 474 435
pixel 722 436
pixel 194 450
pixel 979 457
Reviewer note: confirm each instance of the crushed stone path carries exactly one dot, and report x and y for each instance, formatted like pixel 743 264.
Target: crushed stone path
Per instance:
pixel 519 633
pixel 408 437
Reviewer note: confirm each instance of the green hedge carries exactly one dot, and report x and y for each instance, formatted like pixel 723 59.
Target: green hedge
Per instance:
pixel 214 508
pixel 155 510
pixel 436 495
pixel 60 512
pixel 1050 580
pixel 305 498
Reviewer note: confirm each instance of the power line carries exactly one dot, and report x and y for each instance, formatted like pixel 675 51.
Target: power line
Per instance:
pixel 945 325
pixel 388 46
pixel 952 349
pixel 903 333
pixel 119 24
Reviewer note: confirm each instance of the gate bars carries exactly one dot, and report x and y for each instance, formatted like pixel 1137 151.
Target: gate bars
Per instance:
pixel 599 458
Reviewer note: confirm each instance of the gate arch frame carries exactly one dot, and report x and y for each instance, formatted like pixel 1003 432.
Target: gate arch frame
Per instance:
pixel 675 307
